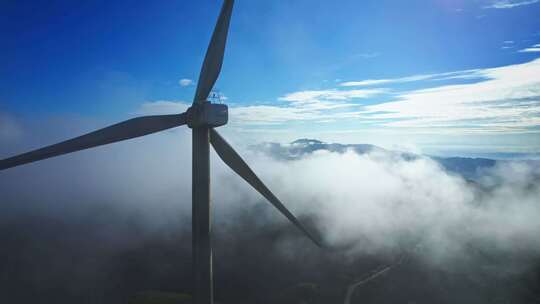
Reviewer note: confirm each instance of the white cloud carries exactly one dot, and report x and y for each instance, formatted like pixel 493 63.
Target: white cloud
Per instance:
pixel 368 55
pixel 268 114
pixel 507 44
pixel 320 105
pixel 370 82
pixel 509 100
pixel 503 4
pixel 307 96
pixel 423 201
pixel 532 49
pixel 184 82
pixel 413 78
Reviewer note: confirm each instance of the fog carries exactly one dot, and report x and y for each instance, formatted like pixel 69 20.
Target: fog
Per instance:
pixel 103 224
pixel 370 203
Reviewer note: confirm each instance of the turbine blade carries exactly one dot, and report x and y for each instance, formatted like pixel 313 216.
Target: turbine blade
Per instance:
pixel 131 128
pixel 235 162
pixel 214 55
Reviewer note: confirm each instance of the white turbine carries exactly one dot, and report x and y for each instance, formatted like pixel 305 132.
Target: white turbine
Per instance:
pixel 202 117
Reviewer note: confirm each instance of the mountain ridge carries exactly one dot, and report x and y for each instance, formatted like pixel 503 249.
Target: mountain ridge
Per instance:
pixel 468 167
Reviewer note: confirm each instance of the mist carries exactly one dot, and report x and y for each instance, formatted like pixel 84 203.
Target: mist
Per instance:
pixel 101 225
pixel 370 203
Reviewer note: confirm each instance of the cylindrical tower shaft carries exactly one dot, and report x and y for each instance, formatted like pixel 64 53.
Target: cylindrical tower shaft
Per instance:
pixel 202 245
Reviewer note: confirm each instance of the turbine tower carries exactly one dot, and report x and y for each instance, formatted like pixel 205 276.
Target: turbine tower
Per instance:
pixel 202 117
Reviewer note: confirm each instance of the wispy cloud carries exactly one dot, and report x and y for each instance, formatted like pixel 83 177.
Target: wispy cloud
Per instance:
pixel 370 82
pixel 316 105
pixel 413 78
pixel 532 49
pixel 505 4
pixel 507 44
pixel 368 55
pixel 509 100
pixel 184 82
pixel 503 99
pixel 307 96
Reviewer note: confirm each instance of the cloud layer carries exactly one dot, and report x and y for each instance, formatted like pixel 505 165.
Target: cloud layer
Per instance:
pixel 130 197
pixel 368 203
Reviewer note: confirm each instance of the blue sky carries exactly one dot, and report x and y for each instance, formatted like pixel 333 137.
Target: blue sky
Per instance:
pixel 440 76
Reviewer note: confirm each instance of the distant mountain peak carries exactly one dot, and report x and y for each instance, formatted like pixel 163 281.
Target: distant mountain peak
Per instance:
pixel 307 141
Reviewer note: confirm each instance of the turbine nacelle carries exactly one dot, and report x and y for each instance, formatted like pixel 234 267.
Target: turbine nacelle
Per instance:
pixel 207 114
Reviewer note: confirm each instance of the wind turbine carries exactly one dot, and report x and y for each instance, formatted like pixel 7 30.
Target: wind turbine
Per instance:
pixel 202 117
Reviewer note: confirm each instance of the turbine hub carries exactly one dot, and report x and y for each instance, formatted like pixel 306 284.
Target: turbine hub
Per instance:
pixel 207 114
